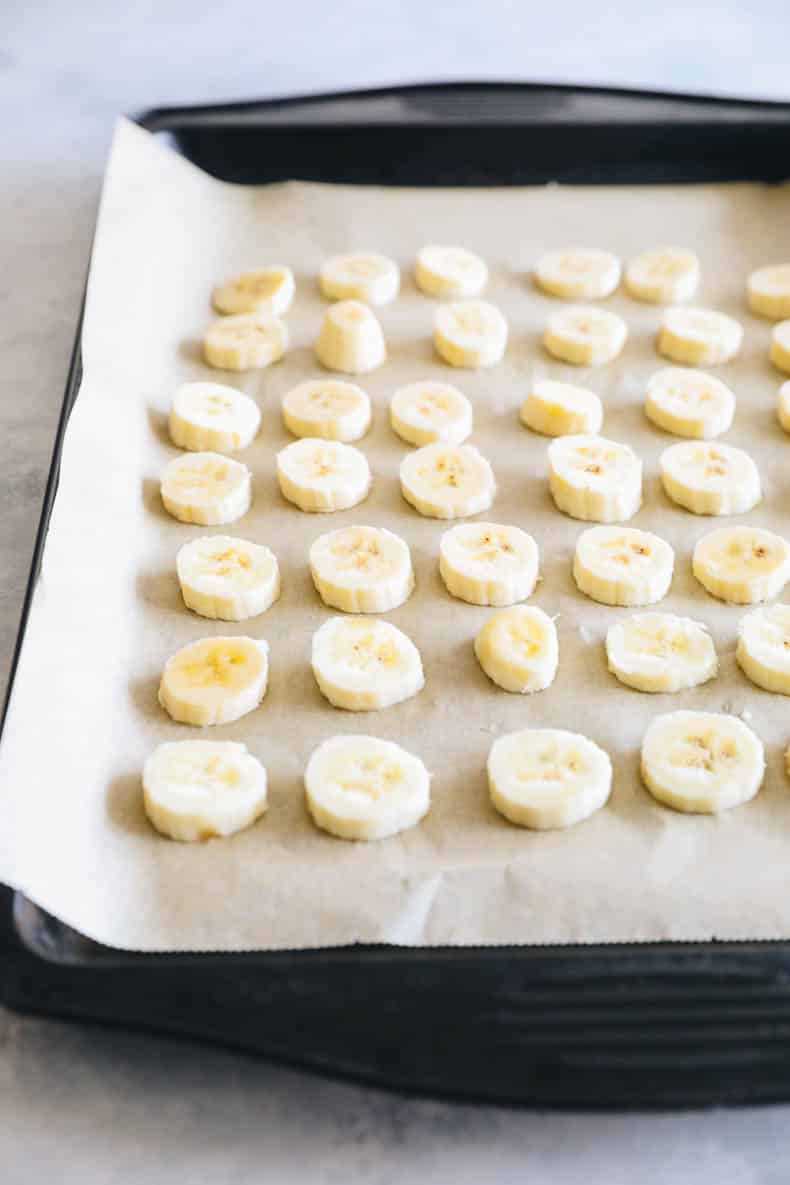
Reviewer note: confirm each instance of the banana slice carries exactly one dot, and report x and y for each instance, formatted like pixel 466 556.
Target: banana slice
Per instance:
pixel 470 334
pixel 211 417
pixel 659 652
pixel 215 680
pixel 329 409
pixel 578 273
pixel 450 271
pixel 518 649
pixel 360 787
pixel 360 275
pixel 265 290
pixel 585 336
pixel 710 478
pixel 363 664
pixel 547 778
pixel 447 481
pixel 768 291
pixel 689 402
pixel 742 565
pixel 431 413
pixel 622 566
pixel 701 762
pixel 561 409
pixel 227 579
pixel 206 488
pixel 763 650
pixel 595 479
pixel 196 790
pixel 780 346
pixel 350 339
pixel 361 569
pixel 248 341
pixel 488 563
pixel 323 475
pixel 783 406
pixel 663 275
pixel 699 337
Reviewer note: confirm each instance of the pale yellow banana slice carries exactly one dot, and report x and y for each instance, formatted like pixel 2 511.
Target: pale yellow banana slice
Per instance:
pixel 470 334
pixel 547 778
pixel 209 417
pixel 518 649
pixel 688 402
pixel 350 339
pixel 595 479
pixel 578 273
pixel 215 680
pixel 623 566
pixel 248 341
pixel 763 650
pixel 196 790
pixel 701 762
pixel 780 346
pixel 431 413
pixel 264 290
pixel 768 291
pixel 742 565
pixel 447 481
pixel 699 337
pixel 330 409
pixel 360 275
pixel 663 275
pixel 362 569
pixel 363 664
pixel 320 476
pixel 659 652
pixel 364 788
pixel 450 272
pixel 206 488
pixel 783 406
pixel 227 579
pixel 561 409
pixel 710 478
pixel 488 563
pixel 585 336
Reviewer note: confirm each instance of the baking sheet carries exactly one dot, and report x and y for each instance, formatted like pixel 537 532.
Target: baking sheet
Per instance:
pixel 107 611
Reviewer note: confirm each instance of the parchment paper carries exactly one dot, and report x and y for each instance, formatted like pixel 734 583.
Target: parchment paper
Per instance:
pixel 107 610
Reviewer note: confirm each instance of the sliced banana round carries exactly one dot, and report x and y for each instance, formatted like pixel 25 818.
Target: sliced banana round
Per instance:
pixel 214 418
pixel 264 290
pixel 699 337
pixel 518 649
pixel 663 275
pixel 363 664
pixel 768 291
pixel 578 273
pixel 623 566
pixel 701 762
pixel 360 787
pixel 470 334
pixel 248 341
pixel 320 476
pixel 227 579
pixel 215 680
pixel 196 790
pixel 595 479
pixel 585 336
pixel 447 481
pixel 360 275
pixel 329 409
pixel 710 478
pixel 780 346
pixel 431 413
pixel 659 652
pixel 547 778
pixel 561 409
pixel 488 563
pixel 362 569
pixel 783 406
pixel 450 272
pixel 742 565
pixel 763 650
pixel 206 488
pixel 350 339
pixel 688 402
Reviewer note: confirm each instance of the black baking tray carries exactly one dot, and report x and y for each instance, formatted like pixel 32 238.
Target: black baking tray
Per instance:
pixel 625 1026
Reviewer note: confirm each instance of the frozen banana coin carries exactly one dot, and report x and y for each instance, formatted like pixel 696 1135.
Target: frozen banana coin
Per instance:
pixel 227 579
pixel 450 271
pixel 518 649
pixel 212 418
pixel 659 652
pixel 350 339
pixel 206 488
pixel 699 337
pixel 768 291
pixel 215 680
pixel 783 406
pixel 578 273
pixel 196 790
pixel 329 409
pixel 362 569
pixel 701 762
pixel 763 650
pixel 363 664
pixel 595 479
pixel 710 478
pixel 320 476
pixel 264 290
pixel 488 563
pixel 585 336
pixel 688 402
pixel 361 787
pixel 447 481
pixel 248 341
pixel 547 778
pixel 742 565
pixel 360 275
pixel 663 275
pixel 623 566
pixel 780 346
pixel 430 413
pixel 470 334
pixel 561 409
